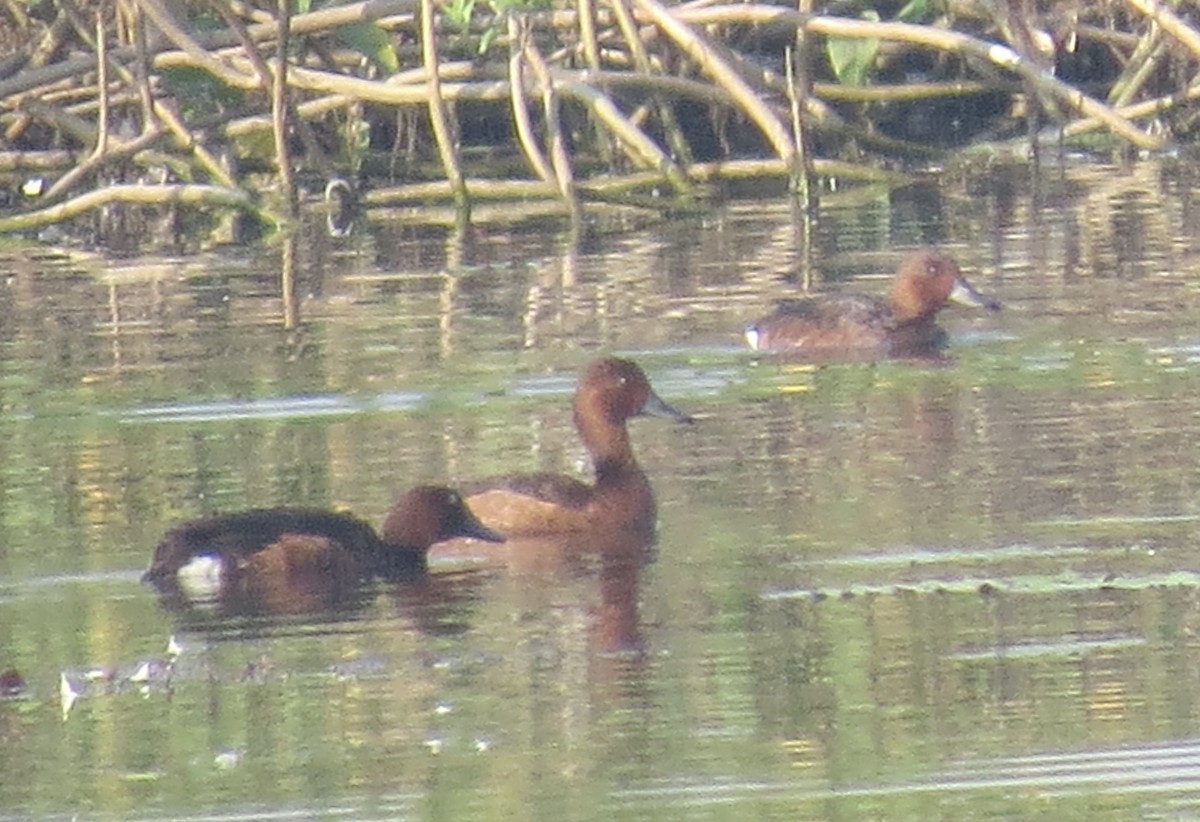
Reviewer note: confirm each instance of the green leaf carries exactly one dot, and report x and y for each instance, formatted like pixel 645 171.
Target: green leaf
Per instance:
pixel 197 92
pixel 459 13
pixel 502 6
pixel 372 42
pixel 852 58
pixel 485 41
pixel 913 11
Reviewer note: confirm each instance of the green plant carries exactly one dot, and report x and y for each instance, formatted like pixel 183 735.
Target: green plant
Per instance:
pixel 853 58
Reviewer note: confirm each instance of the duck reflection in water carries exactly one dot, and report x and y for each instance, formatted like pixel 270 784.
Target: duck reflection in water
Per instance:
pixel 599 572
pixel 616 624
pixel 301 560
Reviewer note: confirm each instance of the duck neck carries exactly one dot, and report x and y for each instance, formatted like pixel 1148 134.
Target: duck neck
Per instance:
pixel 608 443
pixel 403 548
pixel 404 532
pixel 910 304
pixel 903 312
pixel 400 564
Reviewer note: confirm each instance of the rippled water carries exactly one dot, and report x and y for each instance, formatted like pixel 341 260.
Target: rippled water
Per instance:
pixel 965 588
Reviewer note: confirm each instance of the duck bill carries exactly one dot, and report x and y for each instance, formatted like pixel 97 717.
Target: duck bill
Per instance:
pixel 471 527
pixel 964 294
pixel 655 407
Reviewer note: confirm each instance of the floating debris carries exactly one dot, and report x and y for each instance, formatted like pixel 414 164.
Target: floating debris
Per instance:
pixel 228 759
pixel 144 676
pixel 12 684
pixel 366 667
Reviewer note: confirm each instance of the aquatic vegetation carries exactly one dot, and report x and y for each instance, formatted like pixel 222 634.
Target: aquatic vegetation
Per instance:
pixel 631 101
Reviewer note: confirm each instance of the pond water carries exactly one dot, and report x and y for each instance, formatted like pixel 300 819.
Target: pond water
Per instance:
pixel 963 589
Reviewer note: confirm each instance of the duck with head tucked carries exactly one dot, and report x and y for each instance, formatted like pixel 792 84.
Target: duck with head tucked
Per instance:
pixel 860 325
pixel 610 391
pixel 308 549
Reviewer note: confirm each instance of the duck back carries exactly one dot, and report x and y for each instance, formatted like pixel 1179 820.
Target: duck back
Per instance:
pixel 237 537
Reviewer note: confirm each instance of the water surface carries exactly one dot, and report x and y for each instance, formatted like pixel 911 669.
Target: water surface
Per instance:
pixel 965 587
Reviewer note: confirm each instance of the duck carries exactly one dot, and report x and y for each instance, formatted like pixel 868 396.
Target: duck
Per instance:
pixel 610 391
pixel 901 325
pixel 308 548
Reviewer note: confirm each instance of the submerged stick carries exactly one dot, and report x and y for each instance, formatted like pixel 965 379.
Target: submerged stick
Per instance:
pixel 481 188
pixel 65 182
pixel 36 160
pixel 437 110
pixel 890 93
pixel 799 182
pixel 1141 66
pixel 641 60
pixel 517 38
pixel 280 105
pixel 587 33
pixel 140 194
pixel 940 39
pixel 162 18
pixel 1172 24
pixel 184 138
pixel 1137 111
pixel 707 56
pixel 141 65
pixel 559 158
pixel 640 148
pixel 490 189
pixel 98 160
pixel 311 23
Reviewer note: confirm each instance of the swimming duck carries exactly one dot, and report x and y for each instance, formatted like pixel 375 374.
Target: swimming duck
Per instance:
pixel 209 557
pixel 610 391
pixel 860 324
